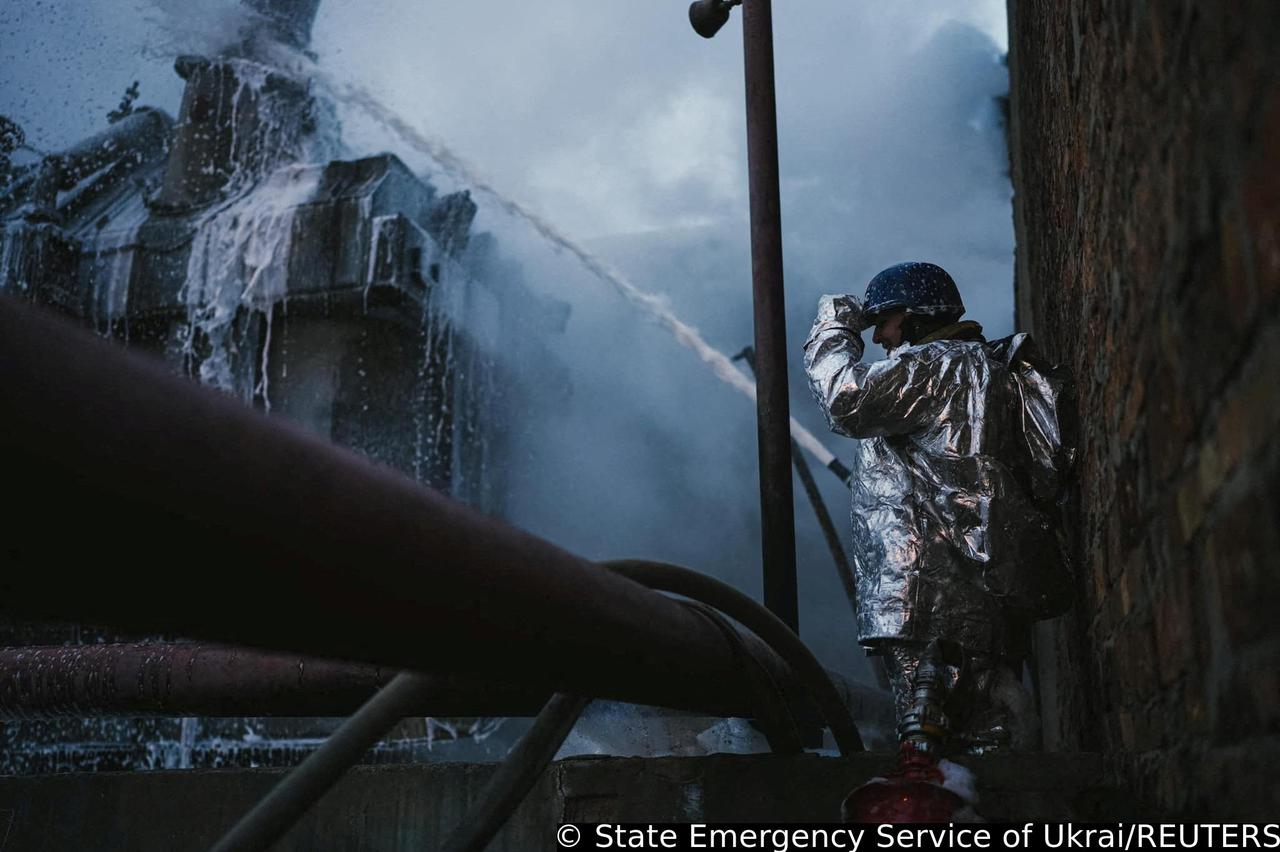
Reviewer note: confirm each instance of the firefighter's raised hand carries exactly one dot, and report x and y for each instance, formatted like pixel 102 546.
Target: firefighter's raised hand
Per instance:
pixel 844 310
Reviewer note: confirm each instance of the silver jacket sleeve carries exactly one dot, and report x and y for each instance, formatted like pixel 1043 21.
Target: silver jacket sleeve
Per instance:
pixel 891 397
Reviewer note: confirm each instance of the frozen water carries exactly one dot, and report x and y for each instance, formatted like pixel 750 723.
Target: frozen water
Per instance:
pixel 240 259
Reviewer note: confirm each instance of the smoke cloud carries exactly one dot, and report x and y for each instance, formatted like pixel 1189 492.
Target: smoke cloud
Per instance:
pixel 623 129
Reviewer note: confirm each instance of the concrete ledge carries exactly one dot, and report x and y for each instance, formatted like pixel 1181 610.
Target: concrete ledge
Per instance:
pixel 413 807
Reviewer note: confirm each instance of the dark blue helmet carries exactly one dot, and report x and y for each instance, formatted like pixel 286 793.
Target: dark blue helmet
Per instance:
pixel 923 289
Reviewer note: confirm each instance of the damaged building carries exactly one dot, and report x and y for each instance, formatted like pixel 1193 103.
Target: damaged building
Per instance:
pixel 347 295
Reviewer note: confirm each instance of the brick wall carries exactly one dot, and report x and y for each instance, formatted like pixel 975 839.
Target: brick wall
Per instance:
pixel 1145 148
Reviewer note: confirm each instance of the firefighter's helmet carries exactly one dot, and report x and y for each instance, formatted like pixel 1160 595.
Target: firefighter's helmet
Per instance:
pixel 922 289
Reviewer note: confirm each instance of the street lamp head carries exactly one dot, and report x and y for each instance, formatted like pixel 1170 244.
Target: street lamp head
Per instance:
pixel 708 16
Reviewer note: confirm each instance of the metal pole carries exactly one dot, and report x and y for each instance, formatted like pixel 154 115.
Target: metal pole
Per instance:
pixel 819 506
pixel 777 518
pixel 733 603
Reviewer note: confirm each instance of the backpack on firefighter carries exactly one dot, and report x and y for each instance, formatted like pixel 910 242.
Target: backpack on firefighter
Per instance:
pixel 1045 419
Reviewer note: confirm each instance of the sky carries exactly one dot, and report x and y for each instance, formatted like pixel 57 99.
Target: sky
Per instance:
pixel 618 124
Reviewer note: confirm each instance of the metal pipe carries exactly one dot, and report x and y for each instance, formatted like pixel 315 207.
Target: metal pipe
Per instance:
pixel 284 541
pixel 184 679
pixel 198 679
pixel 518 773
pixel 777 519
pixel 843 570
pixel 295 794
pixel 681 581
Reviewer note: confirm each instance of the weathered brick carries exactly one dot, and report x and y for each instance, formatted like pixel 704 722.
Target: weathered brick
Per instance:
pixel 1191 507
pixel 1174 625
pixel 1098 565
pixel 1171 785
pixel 1151 729
pixel 1131 508
pixel 1148 179
pixel 1128 734
pixel 1196 710
pixel 1261 200
pixel 1212 468
pixel 1237 276
pixel 1247 705
pixel 1244 545
pixel 1168 424
pixel 1116 535
pixel 1132 409
pixel 1127 588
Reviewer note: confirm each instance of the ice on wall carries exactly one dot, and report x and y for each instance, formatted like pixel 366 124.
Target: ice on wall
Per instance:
pixel 240 261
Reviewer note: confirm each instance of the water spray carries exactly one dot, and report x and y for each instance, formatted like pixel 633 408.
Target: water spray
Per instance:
pixel 651 303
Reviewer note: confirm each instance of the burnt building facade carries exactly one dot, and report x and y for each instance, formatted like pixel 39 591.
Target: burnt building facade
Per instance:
pixel 236 244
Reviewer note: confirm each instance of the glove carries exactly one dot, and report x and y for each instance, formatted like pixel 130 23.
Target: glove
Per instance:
pixel 842 310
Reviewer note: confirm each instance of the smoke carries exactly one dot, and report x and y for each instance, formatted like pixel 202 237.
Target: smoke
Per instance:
pixel 653 304
pixel 624 130
pixel 891 149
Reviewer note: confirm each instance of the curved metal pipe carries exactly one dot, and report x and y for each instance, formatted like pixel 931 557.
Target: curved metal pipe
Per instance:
pixel 520 771
pixel 776 634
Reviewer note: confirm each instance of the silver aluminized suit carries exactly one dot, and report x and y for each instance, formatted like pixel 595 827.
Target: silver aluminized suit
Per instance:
pixel 955 536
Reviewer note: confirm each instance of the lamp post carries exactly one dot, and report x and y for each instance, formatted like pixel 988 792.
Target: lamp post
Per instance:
pixel 772 405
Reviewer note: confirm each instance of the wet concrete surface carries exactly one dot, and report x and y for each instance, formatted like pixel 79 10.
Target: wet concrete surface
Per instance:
pixel 415 807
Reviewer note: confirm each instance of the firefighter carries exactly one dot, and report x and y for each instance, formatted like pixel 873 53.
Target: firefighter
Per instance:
pixel 957 483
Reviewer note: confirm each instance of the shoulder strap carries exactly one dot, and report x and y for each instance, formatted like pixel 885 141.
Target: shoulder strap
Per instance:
pixel 963 330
